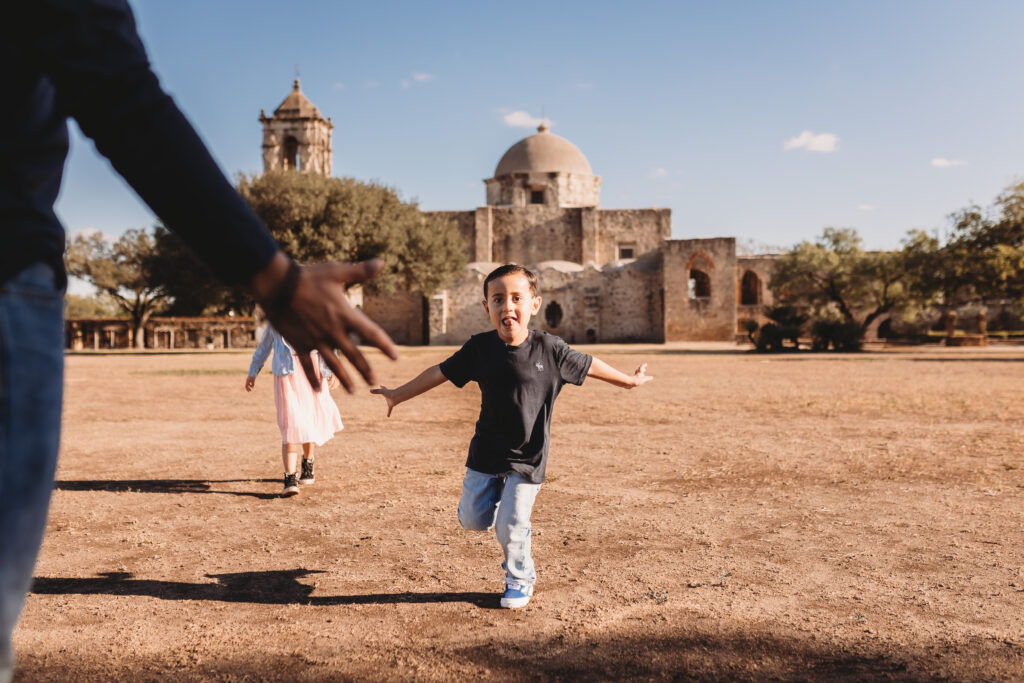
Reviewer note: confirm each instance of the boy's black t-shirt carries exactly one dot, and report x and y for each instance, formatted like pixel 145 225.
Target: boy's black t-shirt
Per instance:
pixel 518 386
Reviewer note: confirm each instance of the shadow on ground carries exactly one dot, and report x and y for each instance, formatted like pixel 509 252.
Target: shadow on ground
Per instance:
pixel 165 486
pixel 277 587
pixel 695 651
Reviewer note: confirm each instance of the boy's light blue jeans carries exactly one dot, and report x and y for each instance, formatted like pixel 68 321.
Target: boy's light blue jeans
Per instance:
pixel 31 384
pixel 505 502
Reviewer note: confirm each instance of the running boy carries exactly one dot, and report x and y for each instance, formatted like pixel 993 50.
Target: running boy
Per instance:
pixel 520 372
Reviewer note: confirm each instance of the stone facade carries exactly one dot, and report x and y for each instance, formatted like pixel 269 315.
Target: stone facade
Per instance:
pixel 605 275
pixel 297 136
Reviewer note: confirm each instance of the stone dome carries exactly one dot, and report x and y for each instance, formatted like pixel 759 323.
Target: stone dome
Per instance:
pixel 543 152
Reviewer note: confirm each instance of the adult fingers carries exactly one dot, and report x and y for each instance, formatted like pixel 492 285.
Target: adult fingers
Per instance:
pixel 356 357
pixel 336 367
pixel 371 333
pixel 307 366
pixel 356 272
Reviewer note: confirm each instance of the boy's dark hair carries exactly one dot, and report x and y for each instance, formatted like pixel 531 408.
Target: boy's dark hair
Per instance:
pixel 513 269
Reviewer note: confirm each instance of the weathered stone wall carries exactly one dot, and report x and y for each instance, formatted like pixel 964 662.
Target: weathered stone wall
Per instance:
pixel 536 233
pixel 762 266
pixel 314 143
pixel 646 229
pixel 457 314
pixel 565 190
pixel 711 318
pixel 617 304
pixel 400 315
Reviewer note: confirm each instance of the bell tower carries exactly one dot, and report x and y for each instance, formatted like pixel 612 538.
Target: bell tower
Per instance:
pixel 297 136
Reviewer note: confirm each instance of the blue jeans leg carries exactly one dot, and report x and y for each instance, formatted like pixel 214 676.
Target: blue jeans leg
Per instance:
pixel 504 502
pixel 31 385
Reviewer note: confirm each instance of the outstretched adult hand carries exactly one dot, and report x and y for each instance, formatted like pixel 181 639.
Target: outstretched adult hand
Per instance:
pixel 319 316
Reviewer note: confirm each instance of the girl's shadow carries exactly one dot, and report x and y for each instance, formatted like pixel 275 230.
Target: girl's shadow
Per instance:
pixel 165 486
pixel 273 587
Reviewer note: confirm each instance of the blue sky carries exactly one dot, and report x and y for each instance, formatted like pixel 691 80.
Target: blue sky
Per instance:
pixel 766 121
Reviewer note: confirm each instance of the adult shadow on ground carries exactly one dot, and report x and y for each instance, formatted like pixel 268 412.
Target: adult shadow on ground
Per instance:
pixel 273 587
pixel 165 486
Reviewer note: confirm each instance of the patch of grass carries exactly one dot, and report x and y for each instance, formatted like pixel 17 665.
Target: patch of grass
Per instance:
pixel 658 597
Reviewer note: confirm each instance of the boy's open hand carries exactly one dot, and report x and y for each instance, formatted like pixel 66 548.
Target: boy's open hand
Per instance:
pixel 641 376
pixel 250 382
pixel 389 396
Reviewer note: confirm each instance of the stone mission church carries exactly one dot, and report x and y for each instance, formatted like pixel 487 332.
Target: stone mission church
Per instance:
pixel 606 275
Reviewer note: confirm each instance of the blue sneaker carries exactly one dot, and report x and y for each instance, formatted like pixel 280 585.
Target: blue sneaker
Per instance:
pixel 516 595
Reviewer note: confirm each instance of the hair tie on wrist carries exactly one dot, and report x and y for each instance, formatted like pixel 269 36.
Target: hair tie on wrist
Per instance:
pixel 286 292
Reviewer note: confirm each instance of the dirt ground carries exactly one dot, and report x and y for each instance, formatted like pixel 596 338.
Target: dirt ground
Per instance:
pixel 742 517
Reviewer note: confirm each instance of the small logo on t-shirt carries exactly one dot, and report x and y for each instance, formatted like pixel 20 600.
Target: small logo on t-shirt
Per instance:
pixel 540 366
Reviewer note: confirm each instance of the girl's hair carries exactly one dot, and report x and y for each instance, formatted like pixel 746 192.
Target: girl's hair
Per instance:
pixel 513 269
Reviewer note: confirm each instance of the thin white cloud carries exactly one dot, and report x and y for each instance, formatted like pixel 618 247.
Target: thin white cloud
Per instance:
pixel 339 85
pixel 813 142
pixel 582 86
pixel 404 83
pixel 939 162
pixel 657 173
pixel 522 119
pixel 421 77
pixel 371 84
pixel 867 207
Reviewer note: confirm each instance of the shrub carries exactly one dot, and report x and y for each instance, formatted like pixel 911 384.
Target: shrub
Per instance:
pixel 839 335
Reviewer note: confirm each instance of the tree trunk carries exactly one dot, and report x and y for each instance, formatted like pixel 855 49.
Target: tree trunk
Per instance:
pixel 140 336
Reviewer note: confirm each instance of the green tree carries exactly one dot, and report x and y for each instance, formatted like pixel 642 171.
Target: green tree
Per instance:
pixel 980 258
pixel 191 286
pixel 315 218
pixel 99 306
pixel 835 276
pixel 120 270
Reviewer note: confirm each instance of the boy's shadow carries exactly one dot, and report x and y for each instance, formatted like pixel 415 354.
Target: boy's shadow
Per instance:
pixel 274 587
pixel 164 486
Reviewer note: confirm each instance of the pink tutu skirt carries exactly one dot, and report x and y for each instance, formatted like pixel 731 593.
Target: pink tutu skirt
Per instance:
pixel 304 415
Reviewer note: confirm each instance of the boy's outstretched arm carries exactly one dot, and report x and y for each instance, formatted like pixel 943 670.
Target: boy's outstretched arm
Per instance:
pixel 425 381
pixel 601 370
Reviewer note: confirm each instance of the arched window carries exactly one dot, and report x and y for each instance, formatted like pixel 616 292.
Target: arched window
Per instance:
pixel 750 289
pixel 291 154
pixel 553 314
pixel 699 284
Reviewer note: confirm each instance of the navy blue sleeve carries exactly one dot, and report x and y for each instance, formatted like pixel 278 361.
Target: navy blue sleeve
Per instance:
pixel 573 366
pixel 91 52
pixel 460 367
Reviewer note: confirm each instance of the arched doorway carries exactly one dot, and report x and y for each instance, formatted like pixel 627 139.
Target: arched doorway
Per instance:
pixel 750 289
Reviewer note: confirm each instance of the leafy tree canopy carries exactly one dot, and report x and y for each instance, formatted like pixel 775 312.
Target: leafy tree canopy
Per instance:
pixel 119 269
pixel 980 258
pixel 315 218
pixel 835 276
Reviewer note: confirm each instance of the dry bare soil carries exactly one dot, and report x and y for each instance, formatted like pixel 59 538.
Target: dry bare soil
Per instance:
pixel 742 517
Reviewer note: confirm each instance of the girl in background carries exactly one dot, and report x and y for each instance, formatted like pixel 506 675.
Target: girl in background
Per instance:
pixel 307 418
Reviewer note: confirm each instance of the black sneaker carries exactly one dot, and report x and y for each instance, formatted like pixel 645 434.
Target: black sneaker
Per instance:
pixel 291 486
pixel 307 472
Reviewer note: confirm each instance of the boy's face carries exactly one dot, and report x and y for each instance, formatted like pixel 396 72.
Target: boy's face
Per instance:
pixel 510 305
